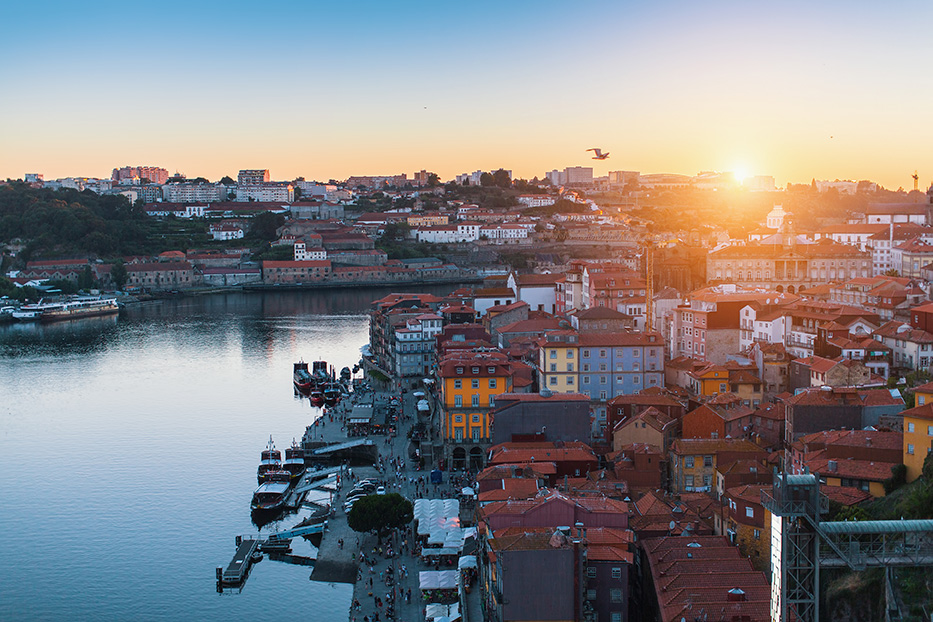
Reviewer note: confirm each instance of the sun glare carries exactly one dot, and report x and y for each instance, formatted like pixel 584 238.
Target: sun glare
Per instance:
pixel 741 173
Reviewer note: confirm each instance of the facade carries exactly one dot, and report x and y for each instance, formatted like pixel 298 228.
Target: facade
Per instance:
pixel 295 272
pixel 265 192
pixel 693 461
pixel 468 384
pixel 413 345
pixel 558 361
pixel 160 276
pixel 194 193
pixel 549 418
pixel 155 174
pixel 252 176
pixel 918 435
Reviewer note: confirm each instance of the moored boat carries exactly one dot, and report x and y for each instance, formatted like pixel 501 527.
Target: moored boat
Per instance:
pixel 331 394
pixel 316 397
pixel 294 460
pixel 66 309
pixel 302 378
pixel 270 497
pixel 271 460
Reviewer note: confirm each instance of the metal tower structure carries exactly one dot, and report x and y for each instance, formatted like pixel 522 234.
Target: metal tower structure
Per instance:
pixel 801 544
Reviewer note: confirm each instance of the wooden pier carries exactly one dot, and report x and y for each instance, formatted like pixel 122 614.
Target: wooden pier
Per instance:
pixel 237 570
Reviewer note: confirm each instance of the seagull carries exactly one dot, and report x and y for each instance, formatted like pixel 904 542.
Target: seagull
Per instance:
pixel 599 154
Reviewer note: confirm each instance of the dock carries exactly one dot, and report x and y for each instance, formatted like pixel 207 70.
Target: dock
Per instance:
pixel 238 568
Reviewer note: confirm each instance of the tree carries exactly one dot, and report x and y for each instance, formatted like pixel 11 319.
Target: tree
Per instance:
pixel 501 178
pixel 433 180
pixel 265 225
pixel 118 274
pixel 86 278
pixel 892 272
pixel 927 470
pixel 226 180
pixel 487 180
pixel 380 513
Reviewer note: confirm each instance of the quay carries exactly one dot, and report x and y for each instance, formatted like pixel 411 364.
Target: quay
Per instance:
pixel 238 568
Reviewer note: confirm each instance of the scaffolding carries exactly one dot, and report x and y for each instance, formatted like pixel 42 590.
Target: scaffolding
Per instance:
pixel 801 544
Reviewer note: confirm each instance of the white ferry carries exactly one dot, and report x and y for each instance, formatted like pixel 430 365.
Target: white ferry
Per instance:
pixel 68 309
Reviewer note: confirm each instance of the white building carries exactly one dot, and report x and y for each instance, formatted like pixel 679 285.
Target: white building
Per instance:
pixel 194 193
pixel 503 234
pixel 272 192
pixel 226 231
pixel 536 200
pixel 775 217
pixel 302 253
pixel 448 234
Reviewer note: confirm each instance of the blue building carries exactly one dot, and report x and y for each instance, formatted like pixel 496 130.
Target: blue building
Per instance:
pixel 618 363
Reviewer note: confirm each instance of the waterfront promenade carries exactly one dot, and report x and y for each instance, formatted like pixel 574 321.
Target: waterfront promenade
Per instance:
pixel 362 559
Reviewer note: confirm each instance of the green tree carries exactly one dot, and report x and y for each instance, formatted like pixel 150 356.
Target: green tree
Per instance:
pixel 118 274
pixel 487 180
pixel 433 180
pixel 927 470
pixel 502 179
pixel 380 513
pixel 265 225
pixel 86 278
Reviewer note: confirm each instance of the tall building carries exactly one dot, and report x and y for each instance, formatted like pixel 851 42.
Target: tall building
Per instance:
pixel 154 174
pixel 253 176
pixel 194 193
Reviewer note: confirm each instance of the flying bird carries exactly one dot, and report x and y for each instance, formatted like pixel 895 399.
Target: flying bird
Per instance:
pixel 599 154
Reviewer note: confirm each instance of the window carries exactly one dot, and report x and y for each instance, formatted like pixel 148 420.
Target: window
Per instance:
pixel 707 461
pixel 688 462
pixel 910 427
pixel 474 433
pixel 553 380
pixel 458 418
pixel 591 594
pixel 615 616
pixel 553 366
pixel 569 379
pixel 930 430
pixel 475 370
pixel 586 379
pixel 474 383
pixel 602 354
pixel 570 354
pixel 707 480
pixel 475 418
pixel 591 572
pixel 492 383
pixel 615 595
pixel 910 449
pixel 586 354
pixel 458 384
pixel 758 534
pixel 602 367
pixel 475 400
pixel 688 481
pixel 603 380
pixel 586 367
pixel 553 354
pixel 491 370
pixel 569 366
pixel 603 395
pixel 749 512
pixel 722 387
pixel 616 573
pixel 458 400
pixel 458 434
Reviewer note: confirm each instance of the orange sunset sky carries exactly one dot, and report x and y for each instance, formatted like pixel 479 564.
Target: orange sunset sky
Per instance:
pixel 797 90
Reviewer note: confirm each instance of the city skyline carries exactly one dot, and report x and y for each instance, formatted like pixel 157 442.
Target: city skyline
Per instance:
pixel 792 91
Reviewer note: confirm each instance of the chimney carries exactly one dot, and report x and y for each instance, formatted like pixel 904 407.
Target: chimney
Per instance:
pixel 736 595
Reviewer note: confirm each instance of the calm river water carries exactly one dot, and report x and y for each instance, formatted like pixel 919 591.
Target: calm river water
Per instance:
pixel 128 454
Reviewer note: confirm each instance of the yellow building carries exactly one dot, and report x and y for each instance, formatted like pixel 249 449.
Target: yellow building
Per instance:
pixel 559 362
pixel 918 435
pixel 924 394
pixel 709 380
pixel 468 385
pixel 426 220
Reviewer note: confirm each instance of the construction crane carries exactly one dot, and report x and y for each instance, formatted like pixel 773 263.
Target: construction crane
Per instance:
pixel 916 179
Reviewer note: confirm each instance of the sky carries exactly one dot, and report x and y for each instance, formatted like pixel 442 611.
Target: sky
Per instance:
pixel 325 90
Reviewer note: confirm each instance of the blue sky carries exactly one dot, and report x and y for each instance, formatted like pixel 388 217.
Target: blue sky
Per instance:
pixel 835 90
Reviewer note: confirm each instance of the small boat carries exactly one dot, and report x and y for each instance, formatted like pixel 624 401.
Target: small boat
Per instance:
pixel 271 460
pixel 332 394
pixel 302 378
pixel 316 397
pixel 320 372
pixel 294 460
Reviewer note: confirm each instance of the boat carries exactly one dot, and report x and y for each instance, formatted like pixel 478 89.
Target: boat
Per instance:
pixel 302 378
pixel 66 309
pixel 294 460
pixel 319 372
pixel 331 394
pixel 316 397
pixel 271 460
pixel 270 497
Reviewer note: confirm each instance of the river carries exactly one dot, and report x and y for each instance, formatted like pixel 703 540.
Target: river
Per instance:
pixel 128 454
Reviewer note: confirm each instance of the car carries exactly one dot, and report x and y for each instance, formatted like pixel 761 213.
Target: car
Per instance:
pixel 353 496
pixel 381 490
